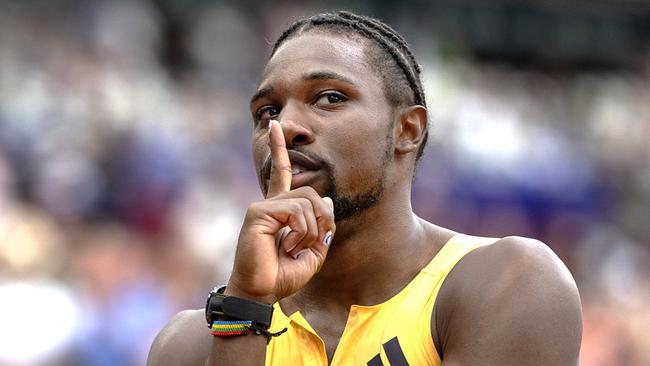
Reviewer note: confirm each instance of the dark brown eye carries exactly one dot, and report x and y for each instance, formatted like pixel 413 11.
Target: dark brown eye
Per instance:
pixel 329 98
pixel 266 113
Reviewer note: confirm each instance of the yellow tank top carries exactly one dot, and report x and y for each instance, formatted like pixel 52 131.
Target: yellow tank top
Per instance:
pixel 395 332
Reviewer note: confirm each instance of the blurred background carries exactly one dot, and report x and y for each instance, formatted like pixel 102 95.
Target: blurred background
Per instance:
pixel 125 165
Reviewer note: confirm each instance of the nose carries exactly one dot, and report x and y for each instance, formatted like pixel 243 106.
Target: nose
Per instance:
pixel 296 132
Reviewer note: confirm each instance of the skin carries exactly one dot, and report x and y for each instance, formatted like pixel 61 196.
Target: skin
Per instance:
pixel 510 303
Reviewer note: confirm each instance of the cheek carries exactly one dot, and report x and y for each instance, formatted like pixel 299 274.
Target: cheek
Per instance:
pixel 260 151
pixel 359 139
pixel 360 153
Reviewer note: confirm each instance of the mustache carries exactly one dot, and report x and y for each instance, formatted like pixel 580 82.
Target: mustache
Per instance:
pixel 323 164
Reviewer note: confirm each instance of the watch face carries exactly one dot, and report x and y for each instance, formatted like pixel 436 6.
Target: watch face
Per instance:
pixel 213 304
pixel 208 313
pixel 208 318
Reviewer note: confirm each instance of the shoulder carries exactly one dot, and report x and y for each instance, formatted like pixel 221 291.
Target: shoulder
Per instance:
pixel 519 257
pixel 513 299
pixel 185 340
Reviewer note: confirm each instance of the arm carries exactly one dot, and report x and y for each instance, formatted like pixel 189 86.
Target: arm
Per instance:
pixel 510 303
pixel 268 267
pixel 185 341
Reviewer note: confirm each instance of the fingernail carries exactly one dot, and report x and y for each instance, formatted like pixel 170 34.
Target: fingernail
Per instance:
pixel 300 253
pixel 270 124
pixel 327 239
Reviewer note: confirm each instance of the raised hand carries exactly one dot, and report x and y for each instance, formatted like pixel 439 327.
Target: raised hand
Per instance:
pixel 284 239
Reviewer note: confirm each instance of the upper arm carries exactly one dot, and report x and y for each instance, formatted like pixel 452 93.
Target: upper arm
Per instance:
pixel 512 302
pixel 184 341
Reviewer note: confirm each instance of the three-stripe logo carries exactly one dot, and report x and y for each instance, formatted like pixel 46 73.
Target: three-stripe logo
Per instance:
pixel 394 354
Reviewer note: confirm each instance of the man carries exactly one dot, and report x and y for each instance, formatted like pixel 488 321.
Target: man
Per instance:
pixel 356 278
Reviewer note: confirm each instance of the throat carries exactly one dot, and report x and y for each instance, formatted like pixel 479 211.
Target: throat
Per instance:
pixel 369 268
pixel 328 320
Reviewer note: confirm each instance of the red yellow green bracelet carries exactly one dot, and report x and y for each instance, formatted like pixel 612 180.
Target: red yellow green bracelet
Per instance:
pixel 227 328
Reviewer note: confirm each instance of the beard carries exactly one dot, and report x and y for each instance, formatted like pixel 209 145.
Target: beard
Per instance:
pixel 347 206
pixel 351 206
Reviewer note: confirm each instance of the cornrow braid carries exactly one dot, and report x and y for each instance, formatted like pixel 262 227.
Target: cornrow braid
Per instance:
pixel 387 31
pixel 388 42
pixel 387 46
pixel 283 37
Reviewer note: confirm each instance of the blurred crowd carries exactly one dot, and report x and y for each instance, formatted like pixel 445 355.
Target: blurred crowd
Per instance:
pixel 125 173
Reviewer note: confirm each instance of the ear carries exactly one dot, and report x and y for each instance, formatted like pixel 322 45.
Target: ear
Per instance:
pixel 410 128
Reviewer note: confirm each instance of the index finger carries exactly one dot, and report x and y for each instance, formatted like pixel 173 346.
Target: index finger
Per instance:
pixel 280 180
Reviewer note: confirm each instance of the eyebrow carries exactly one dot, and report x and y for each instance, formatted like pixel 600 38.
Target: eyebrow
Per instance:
pixel 326 75
pixel 317 75
pixel 261 93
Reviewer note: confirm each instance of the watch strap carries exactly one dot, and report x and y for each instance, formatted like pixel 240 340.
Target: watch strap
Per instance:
pixel 238 308
pixel 223 307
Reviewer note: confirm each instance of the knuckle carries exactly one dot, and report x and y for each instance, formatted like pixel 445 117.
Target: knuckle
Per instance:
pixel 278 144
pixel 312 193
pixel 295 207
pixel 311 235
pixel 305 203
pixel 277 197
pixel 308 192
pixel 327 216
pixel 253 208
pixel 330 215
pixel 280 166
pixel 326 225
pixel 303 189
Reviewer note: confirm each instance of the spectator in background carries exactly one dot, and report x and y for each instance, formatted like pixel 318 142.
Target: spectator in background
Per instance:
pixel 78 79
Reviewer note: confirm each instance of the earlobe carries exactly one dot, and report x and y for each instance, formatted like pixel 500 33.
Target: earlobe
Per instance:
pixel 411 126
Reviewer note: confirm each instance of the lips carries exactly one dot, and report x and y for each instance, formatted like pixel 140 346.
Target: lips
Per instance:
pixel 300 164
pixel 306 178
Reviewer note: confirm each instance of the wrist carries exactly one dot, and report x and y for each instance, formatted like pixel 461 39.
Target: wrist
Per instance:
pixel 224 309
pixel 233 290
pixel 230 315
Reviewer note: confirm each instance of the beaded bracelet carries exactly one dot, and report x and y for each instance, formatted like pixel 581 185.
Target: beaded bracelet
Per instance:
pixel 227 328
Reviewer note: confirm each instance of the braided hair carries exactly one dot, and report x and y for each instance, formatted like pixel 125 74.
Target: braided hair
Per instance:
pixel 391 57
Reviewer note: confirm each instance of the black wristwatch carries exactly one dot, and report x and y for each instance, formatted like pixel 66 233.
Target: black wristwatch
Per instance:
pixel 220 306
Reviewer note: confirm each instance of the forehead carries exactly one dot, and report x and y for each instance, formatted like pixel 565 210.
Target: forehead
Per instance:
pixel 317 51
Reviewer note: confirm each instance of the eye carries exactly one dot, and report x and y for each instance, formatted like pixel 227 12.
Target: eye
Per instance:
pixel 266 113
pixel 330 98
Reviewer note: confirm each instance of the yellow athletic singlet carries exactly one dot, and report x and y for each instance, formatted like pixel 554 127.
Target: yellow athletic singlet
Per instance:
pixel 396 332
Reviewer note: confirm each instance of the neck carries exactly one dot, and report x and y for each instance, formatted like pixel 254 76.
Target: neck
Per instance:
pixel 372 249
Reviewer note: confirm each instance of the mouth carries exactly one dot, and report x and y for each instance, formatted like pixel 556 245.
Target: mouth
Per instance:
pixel 297 169
pixel 301 177
pixel 303 169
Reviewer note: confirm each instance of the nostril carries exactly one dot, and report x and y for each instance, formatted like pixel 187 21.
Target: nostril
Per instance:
pixel 299 139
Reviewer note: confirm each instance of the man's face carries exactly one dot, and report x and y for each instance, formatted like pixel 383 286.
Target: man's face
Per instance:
pixel 335 117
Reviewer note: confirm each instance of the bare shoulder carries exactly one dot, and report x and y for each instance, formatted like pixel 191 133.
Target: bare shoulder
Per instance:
pixel 514 302
pixel 185 340
pixel 519 257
